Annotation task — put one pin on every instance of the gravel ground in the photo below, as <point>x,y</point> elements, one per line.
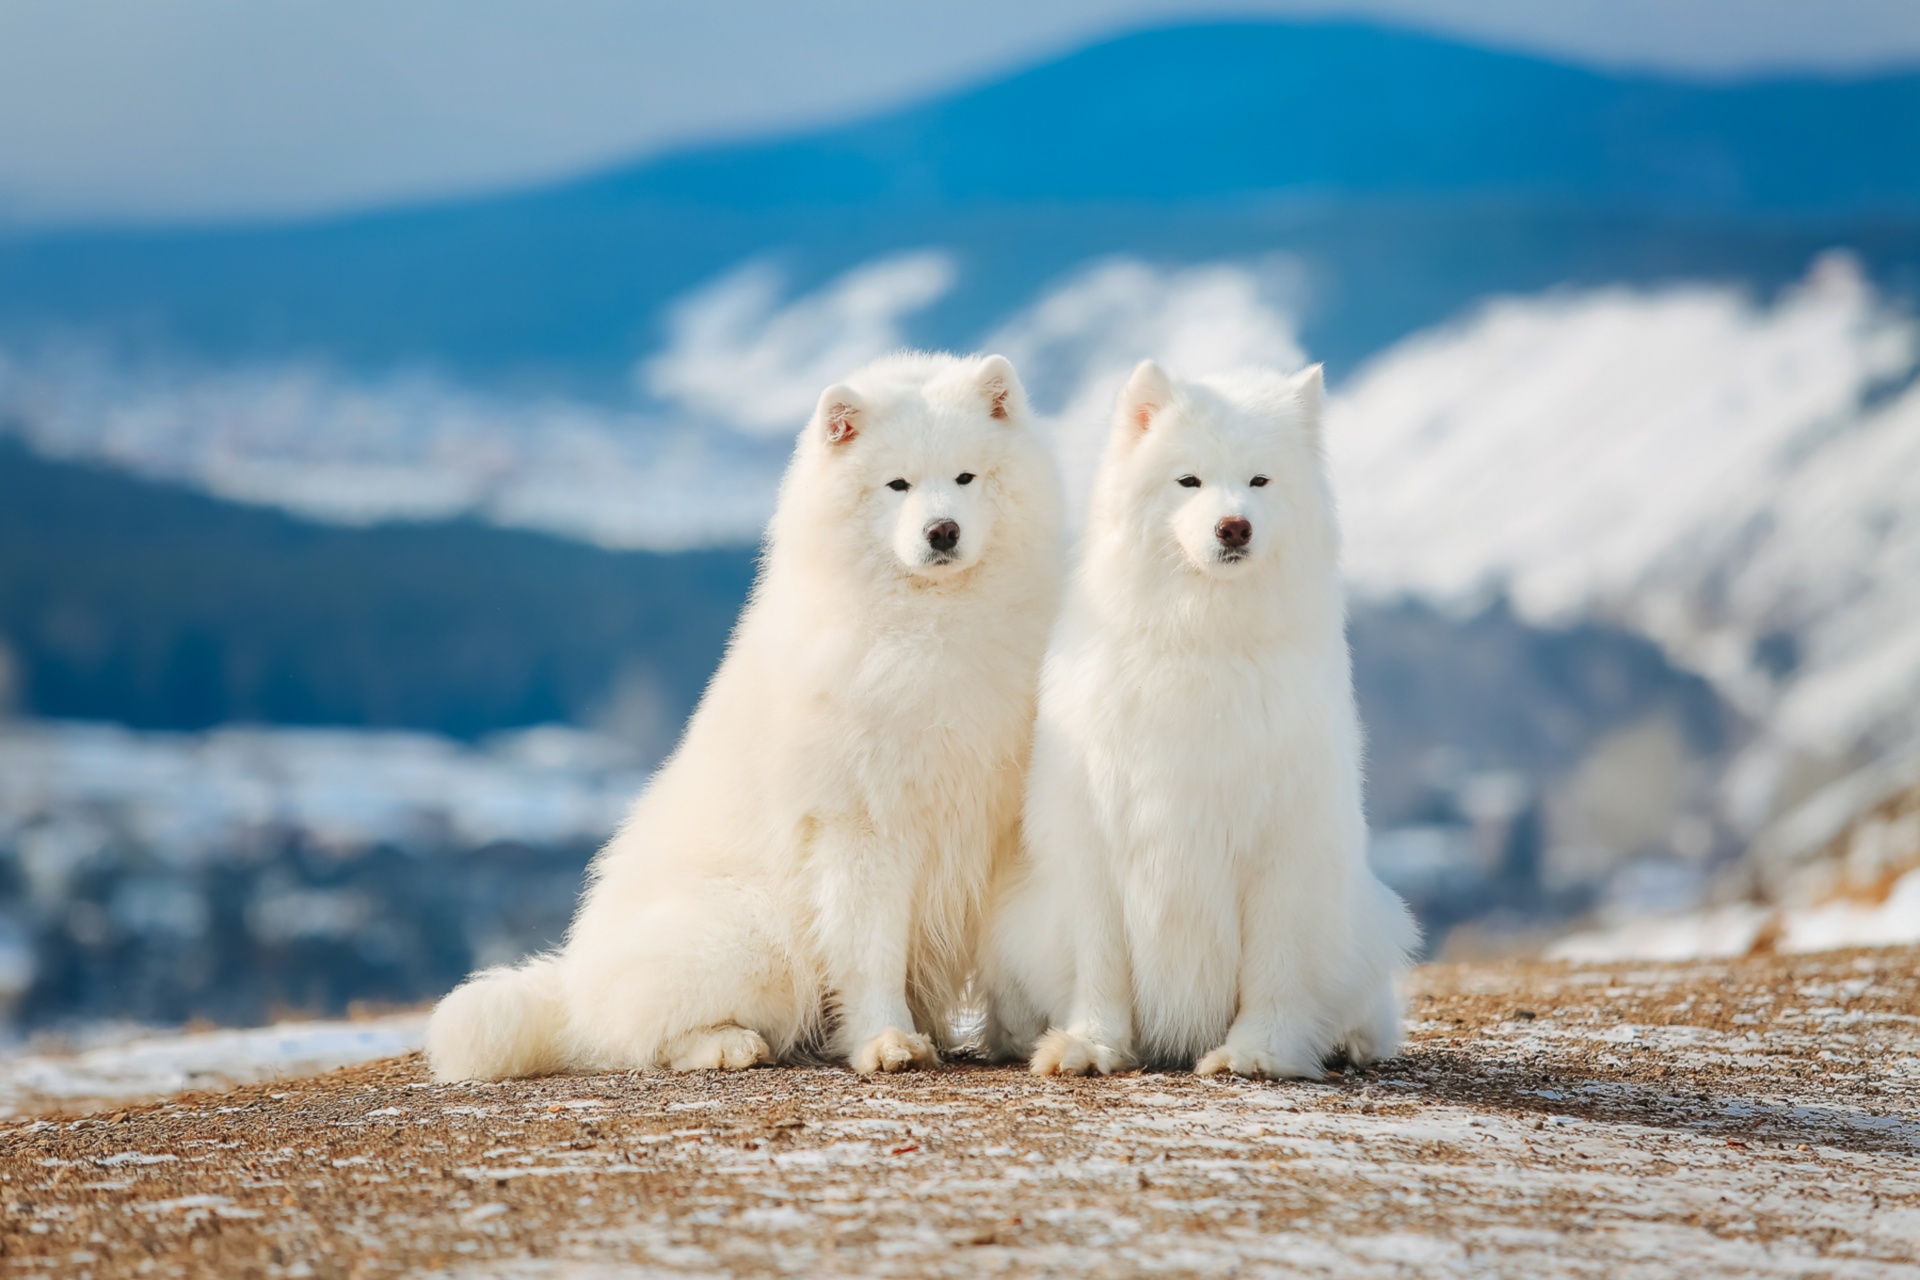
<point>1758,1117</point>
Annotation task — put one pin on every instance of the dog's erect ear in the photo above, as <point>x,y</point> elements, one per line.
<point>1148,391</point>
<point>840,415</point>
<point>1310,384</point>
<point>1000,388</point>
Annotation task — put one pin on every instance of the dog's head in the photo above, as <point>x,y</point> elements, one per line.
<point>1226,472</point>
<point>930,456</point>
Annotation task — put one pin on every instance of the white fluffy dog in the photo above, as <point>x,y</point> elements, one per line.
<point>810,871</point>
<point>1195,886</point>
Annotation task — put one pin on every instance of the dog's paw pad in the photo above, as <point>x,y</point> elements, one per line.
<point>895,1050</point>
<point>721,1049</point>
<point>1254,1064</point>
<point>1061,1053</point>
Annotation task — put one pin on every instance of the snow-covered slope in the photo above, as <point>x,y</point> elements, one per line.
<point>410,446</point>
<point>1739,481</point>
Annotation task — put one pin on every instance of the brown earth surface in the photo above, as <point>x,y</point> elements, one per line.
<point>1759,1117</point>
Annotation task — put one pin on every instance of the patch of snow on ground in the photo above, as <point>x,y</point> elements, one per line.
<point>159,1064</point>
<point>1721,933</point>
<point>1733,930</point>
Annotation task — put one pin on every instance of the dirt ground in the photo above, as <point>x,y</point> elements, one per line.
<point>1760,1117</point>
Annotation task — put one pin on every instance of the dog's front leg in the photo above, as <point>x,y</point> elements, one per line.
<point>864,919</point>
<point>1098,1035</point>
<point>1291,927</point>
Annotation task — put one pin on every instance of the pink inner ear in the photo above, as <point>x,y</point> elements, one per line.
<point>1143,415</point>
<point>999,404</point>
<point>840,424</point>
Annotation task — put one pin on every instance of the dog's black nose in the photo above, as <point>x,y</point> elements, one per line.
<point>943,535</point>
<point>1234,532</point>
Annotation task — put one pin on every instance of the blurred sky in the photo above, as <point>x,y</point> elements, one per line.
<point>168,109</point>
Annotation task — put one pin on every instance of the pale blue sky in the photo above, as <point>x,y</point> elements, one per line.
<point>167,109</point>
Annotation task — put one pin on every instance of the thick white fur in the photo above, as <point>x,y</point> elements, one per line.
<point>809,872</point>
<point>1194,887</point>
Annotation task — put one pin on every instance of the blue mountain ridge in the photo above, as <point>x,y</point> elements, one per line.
<point>1220,111</point>
<point>1411,174</point>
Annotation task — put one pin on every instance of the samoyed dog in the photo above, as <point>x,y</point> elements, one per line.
<point>808,873</point>
<point>1194,886</point>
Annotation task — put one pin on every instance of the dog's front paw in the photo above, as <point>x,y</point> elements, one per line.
<point>1255,1064</point>
<point>1378,1036</point>
<point>1001,1049</point>
<point>1062,1053</point>
<point>727,1048</point>
<point>895,1050</point>
<point>1362,1048</point>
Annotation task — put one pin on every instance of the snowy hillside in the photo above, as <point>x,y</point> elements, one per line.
<point>406,447</point>
<point>1740,482</point>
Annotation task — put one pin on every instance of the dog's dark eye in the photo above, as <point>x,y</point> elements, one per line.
<point>1258,482</point>
<point>898,486</point>
<point>965,477</point>
<point>1189,482</point>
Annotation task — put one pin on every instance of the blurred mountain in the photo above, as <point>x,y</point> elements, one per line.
<point>160,608</point>
<point>1221,112</point>
<point>1411,174</point>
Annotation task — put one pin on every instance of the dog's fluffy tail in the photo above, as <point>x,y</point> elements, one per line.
<point>500,1023</point>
